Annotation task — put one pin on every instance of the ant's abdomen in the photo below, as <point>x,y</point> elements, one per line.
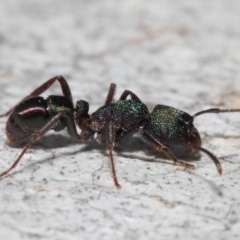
<point>27,117</point>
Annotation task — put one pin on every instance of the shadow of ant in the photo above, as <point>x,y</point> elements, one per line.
<point>136,144</point>
<point>49,141</point>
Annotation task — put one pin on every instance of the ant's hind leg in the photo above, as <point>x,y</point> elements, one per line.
<point>64,85</point>
<point>39,134</point>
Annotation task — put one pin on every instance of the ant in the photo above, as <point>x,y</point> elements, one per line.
<point>165,128</point>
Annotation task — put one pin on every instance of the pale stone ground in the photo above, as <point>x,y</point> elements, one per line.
<point>181,53</point>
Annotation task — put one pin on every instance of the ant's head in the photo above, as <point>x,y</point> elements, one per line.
<point>194,139</point>
<point>81,115</point>
<point>198,147</point>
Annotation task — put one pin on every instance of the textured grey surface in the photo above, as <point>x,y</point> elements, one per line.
<point>180,53</point>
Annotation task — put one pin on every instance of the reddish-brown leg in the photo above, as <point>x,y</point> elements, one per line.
<point>161,148</point>
<point>127,93</point>
<point>113,168</point>
<point>111,145</point>
<point>37,135</point>
<point>107,137</point>
<point>64,85</point>
<point>111,93</point>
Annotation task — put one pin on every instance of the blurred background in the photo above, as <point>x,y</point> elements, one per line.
<point>151,47</point>
<point>180,53</point>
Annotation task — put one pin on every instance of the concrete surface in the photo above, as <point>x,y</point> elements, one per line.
<point>181,53</point>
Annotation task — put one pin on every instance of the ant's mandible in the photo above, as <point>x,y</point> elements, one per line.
<point>165,128</point>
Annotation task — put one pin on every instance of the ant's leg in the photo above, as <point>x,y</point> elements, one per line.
<point>107,136</point>
<point>126,93</point>
<point>64,85</point>
<point>215,110</point>
<point>110,148</point>
<point>161,148</point>
<point>37,135</point>
<point>111,93</point>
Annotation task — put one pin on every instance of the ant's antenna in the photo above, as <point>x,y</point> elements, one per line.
<point>215,110</point>
<point>212,156</point>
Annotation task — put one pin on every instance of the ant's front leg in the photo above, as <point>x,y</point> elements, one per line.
<point>161,148</point>
<point>64,85</point>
